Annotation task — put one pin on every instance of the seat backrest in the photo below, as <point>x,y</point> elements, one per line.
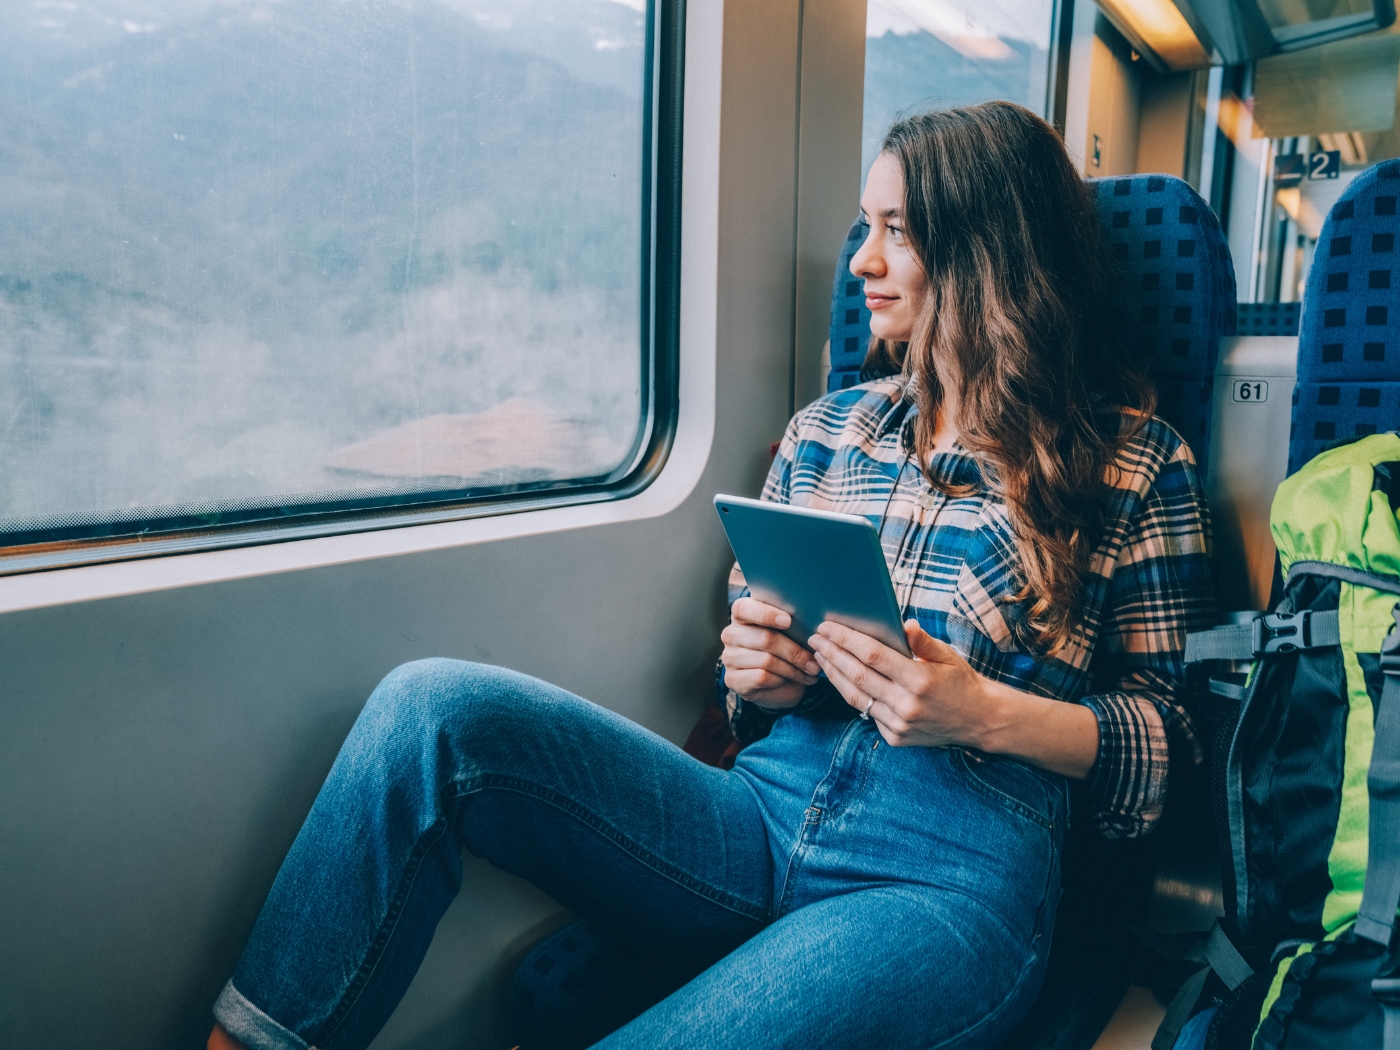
<point>1178,272</point>
<point>1177,267</point>
<point>850,320</point>
<point>1267,318</point>
<point>1349,335</point>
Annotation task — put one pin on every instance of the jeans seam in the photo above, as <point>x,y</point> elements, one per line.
<point>838,762</point>
<point>862,756</point>
<point>1052,872</point>
<point>799,844</point>
<point>997,795</point>
<point>809,823</point>
<point>561,802</point>
<point>995,1012</point>
<point>387,926</point>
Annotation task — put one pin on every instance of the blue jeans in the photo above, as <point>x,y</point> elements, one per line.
<point>847,893</point>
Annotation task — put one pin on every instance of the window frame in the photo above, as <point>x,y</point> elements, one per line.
<point>660,321</point>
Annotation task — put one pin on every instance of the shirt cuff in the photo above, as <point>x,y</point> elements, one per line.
<point>749,721</point>
<point>1128,784</point>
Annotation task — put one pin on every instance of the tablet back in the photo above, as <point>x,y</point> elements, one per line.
<point>814,565</point>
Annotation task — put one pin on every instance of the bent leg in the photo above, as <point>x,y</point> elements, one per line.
<point>610,819</point>
<point>899,967</point>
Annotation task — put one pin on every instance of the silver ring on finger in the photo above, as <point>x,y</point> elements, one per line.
<point>866,713</point>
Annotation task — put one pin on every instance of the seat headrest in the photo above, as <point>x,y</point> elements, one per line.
<point>850,320</point>
<point>1177,269</point>
<point>1349,335</point>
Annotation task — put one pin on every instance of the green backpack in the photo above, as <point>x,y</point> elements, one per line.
<point>1306,775</point>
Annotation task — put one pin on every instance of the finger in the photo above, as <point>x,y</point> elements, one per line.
<point>743,636</point>
<point>789,694</point>
<point>898,727</point>
<point>926,647</point>
<point>867,650</point>
<point>891,737</point>
<point>861,674</point>
<point>751,610</point>
<point>850,692</point>
<point>754,659</point>
<point>753,683</point>
<point>892,727</point>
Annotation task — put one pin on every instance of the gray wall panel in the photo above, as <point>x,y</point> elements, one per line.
<point>158,751</point>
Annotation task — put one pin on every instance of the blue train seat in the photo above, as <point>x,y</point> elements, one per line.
<point>1349,335</point>
<point>1177,262</point>
<point>850,319</point>
<point>1267,318</point>
<point>1178,270</point>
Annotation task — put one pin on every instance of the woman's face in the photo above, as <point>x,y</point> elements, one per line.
<point>894,279</point>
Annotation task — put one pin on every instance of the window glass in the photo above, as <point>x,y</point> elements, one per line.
<point>261,257</point>
<point>926,54</point>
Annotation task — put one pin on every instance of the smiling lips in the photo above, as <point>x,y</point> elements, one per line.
<point>879,302</point>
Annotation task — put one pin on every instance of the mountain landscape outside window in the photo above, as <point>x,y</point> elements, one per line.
<point>934,54</point>
<point>263,257</point>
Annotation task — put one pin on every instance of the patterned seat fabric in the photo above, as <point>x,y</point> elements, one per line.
<point>1178,269</point>
<point>1349,337</point>
<point>1267,318</point>
<point>850,320</point>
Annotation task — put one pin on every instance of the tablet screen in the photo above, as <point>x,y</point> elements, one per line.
<point>814,565</point>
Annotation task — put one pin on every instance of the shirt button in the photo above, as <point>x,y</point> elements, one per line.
<point>901,575</point>
<point>927,501</point>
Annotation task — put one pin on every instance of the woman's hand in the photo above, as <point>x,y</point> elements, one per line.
<point>760,662</point>
<point>934,700</point>
<point>938,700</point>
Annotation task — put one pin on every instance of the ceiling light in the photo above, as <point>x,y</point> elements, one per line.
<point>1157,28</point>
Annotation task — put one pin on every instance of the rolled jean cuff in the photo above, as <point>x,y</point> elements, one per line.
<point>250,1026</point>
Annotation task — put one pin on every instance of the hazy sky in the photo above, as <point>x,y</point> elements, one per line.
<point>971,26</point>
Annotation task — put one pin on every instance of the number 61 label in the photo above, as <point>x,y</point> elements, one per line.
<point>1250,390</point>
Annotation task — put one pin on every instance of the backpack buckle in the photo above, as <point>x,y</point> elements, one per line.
<point>1390,647</point>
<point>1288,632</point>
<point>1386,990</point>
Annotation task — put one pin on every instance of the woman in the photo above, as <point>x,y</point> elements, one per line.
<point>883,880</point>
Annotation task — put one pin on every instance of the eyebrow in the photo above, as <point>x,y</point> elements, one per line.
<point>888,213</point>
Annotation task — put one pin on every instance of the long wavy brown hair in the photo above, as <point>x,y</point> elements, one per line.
<point>1022,318</point>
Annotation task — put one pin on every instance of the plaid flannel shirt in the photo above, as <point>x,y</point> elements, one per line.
<point>955,565</point>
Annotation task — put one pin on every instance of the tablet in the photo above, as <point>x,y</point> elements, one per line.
<point>814,565</point>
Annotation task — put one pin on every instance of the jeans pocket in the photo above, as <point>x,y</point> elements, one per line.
<point>1013,785</point>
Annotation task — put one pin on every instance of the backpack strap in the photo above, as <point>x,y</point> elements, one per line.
<point>1376,919</point>
<point>1381,897</point>
<point>1265,635</point>
<point>1387,990</point>
<point>1284,632</point>
<point>1374,580</point>
<point>1229,965</point>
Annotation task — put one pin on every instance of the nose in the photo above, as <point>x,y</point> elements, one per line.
<point>867,261</point>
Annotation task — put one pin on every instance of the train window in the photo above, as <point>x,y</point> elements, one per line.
<point>1271,141</point>
<point>1288,162</point>
<point>319,264</point>
<point>926,54</point>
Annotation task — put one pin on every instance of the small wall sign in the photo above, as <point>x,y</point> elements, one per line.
<point>1288,169</point>
<point>1250,390</point>
<point>1325,164</point>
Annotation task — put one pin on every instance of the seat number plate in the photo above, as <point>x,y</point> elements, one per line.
<point>1250,390</point>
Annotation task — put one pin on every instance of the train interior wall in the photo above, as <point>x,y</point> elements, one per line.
<point>164,726</point>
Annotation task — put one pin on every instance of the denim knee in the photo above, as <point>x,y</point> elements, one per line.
<point>441,701</point>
